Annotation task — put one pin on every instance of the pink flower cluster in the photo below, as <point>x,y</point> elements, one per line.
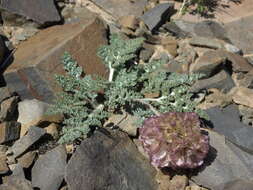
<point>174,139</point>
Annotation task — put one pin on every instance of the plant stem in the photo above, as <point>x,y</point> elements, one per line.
<point>152,99</point>
<point>111,72</point>
<point>149,105</point>
<point>182,7</point>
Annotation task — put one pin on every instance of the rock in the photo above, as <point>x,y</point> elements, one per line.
<point>17,172</point>
<point>247,114</point>
<point>222,165</point>
<point>21,145</point>
<point>32,112</point>
<point>122,7</point>
<point>208,63</point>
<point>172,28</point>
<point>221,81</point>
<point>187,27</point>
<point>207,42</point>
<point>109,161</point>
<point>186,54</point>
<point>215,98</point>
<point>147,52</point>
<point>3,164</point>
<point>129,21</point>
<point>30,74</point>
<point>239,63</point>
<point>17,184</point>
<point>26,160</point>
<point>9,131</point>
<point>156,16</point>
<point>52,130</point>
<point>163,180</point>
<point>8,109</point>
<point>244,80</point>
<point>243,96</point>
<point>238,33</point>
<point>231,48</point>
<point>227,122</point>
<point>210,29</point>
<point>4,94</point>
<point>42,11</point>
<point>178,67</point>
<point>48,170</point>
<point>170,44</point>
<point>3,49</point>
<point>124,121</point>
<point>178,182</point>
<point>195,187</point>
<point>239,184</point>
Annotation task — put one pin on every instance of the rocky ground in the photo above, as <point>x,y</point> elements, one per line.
<point>34,36</point>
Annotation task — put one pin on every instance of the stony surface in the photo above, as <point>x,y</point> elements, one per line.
<point>178,182</point>
<point>156,16</point>
<point>221,81</point>
<point>3,164</point>
<point>109,161</point>
<point>33,112</point>
<point>123,7</point>
<point>239,184</point>
<point>16,184</point>
<point>48,170</point>
<point>20,146</point>
<point>30,75</point>
<point>226,121</point>
<point>8,109</point>
<point>210,29</point>
<point>43,11</point>
<point>243,96</point>
<point>223,165</point>
<point>9,131</point>
<point>208,63</point>
<point>27,159</point>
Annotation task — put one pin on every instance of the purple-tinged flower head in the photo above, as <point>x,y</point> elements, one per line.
<point>174,139</point>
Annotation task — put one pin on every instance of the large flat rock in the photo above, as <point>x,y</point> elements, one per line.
<point>41,11</point>
<point>109,161</point>
<point>31,74</point>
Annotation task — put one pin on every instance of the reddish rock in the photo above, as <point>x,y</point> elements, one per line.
<point>36,61</point>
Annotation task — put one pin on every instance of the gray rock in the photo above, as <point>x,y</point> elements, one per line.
<point>156,16</point>
<point>109,160</point>
<point>42,11</point>
<point>222,165</point>
<point>221,81</point>
<point>4,93</point>
<point>227,122</point>
<point>122,7</point>
<point>17,184</point>
<point>146,54</point>
<point>172,28</point>
<point>30,110</point>
<point>21,145</point>
<point>239,184</point>
<point>9,131</point>
<point>210,29</point>
<point>247,115</point>
<point>187,27</point>
<point>48,170</point>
